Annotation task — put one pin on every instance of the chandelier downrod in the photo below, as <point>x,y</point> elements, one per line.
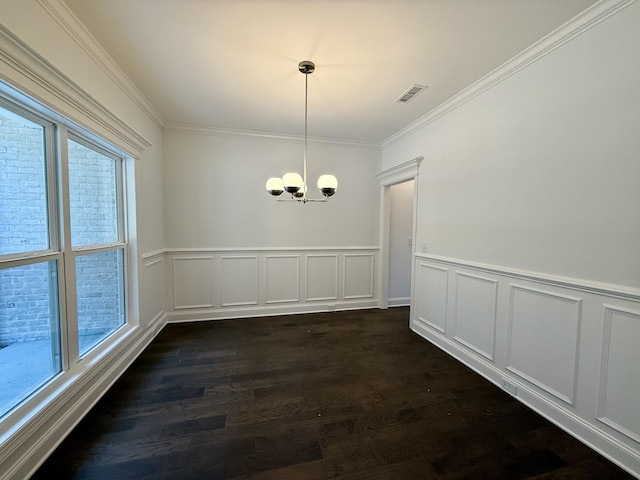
<point>304,161</point>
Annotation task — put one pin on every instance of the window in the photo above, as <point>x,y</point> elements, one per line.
<point>63,249</point>
<point>96,238</point>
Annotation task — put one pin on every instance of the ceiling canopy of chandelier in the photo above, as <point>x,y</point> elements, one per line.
<point>293,183</point>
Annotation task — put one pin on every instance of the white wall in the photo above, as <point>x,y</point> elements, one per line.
<point>528,199</point>
<point>45,54</point>
<point>541,172</point>
<point>215,193</point>
<point>400,242</point>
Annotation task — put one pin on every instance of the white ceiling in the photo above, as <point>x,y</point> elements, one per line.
<point>233,63</point>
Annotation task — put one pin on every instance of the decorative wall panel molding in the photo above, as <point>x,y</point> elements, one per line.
<point>192,282</point>
<point>476,302</point>
<point>358,275</point>
<point>322,277</point>
<point>543,339</point>
<point>619,394</point>
<point>554,350</point>
<point>222,283</point>
<point>432,286</point>
<point>283,278</point>
<point>613,291</point>
<point>238,280</point>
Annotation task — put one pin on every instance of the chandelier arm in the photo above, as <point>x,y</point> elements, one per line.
<point>302,200</point>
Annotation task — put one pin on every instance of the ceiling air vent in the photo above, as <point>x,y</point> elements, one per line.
<point>411,92</point>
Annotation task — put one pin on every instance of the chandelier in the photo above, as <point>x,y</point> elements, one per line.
<point>293,183</point>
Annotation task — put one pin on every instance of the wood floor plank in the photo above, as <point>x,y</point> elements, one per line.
<point>351,395</point>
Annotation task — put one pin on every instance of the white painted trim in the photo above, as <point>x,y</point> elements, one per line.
<point>269,310</point>
<point>61,13</point>
<point>430,326</point>
<point>257,279</point>
<point>581,23</point>
<point>610,290</point>
<point>268,136</point>
<point>426,321</point>
<point>80,107</point>
<point>282,300</point>
<point>154,253</point>
<point>223,250</point>
<point>400,302</point>
<point>318,299</point>
<point>488,355</point>
<point>175,260</point>
<point>604,363</point>
<point>543,386</point>
<point>154,262</point>
<point>400,173</point>
<point>371,276</point>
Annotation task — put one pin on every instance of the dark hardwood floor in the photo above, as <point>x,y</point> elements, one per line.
<point>350,395</point>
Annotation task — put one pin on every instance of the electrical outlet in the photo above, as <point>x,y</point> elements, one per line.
<point>424,247</point>
<point>509,387</point>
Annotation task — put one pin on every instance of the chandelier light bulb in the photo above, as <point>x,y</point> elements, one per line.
<point>300,193</point>
<point>292,182</point>
<point>327,184</point>
<point>275,186</point>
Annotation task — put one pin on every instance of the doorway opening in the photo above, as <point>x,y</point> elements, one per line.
<point>400,243</point>
<point>406,173</point>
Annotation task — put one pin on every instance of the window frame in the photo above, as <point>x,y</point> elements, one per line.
<point>51,176</point>
<point>57,131</point>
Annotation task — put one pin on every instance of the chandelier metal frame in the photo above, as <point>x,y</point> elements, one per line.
<point>292,183</point>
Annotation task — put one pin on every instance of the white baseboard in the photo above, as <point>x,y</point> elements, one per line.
<point>267,310</point>
<point>399,302</point>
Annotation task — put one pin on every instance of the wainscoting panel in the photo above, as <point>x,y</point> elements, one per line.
<point>475,313</point>
<point>543,339</point>
<point>243,282</point>
<point>619,399</point>
<point>322,277</point>
<point>193,282</point>
<point>565,347</point>
<point>239,280</point>
<point>431,296</point>
<point>283,278</point>
<point>152,287</point>
<point>358,275</point>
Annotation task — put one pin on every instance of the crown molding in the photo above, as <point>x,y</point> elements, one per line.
<point>33,74</point>
<point>249,134</point>
<point>60,12</point>
<point>576,26</point>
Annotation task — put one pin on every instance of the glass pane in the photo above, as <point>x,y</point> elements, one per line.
<point>23,185</point>
<point>29,331</point>
<point>100,284</point>
<point>93,196</point>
